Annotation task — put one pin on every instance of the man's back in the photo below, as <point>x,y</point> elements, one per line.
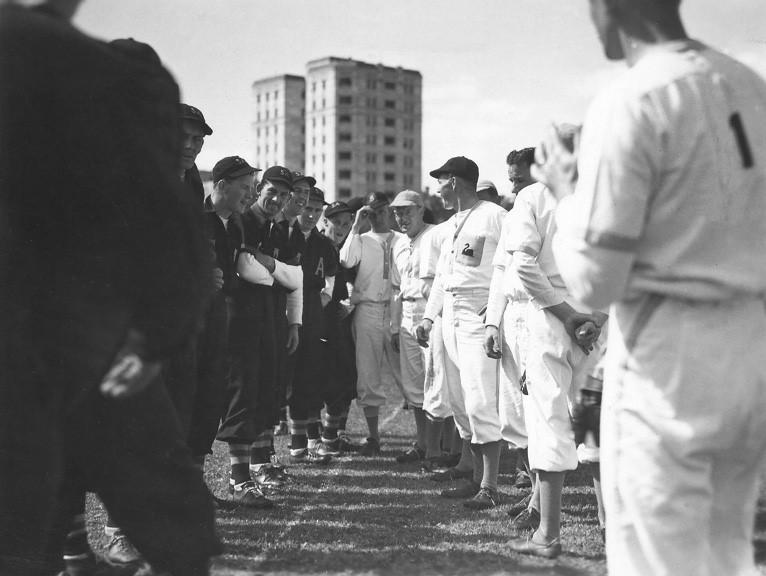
<point>682,140</point>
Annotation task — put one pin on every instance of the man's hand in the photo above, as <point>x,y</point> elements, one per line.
<point>572,320</point>
<point>293,338</point>
<point>344,309</point>
<point>556,159</point>
<point>361,219</point>
<point>492,342</point>
<point>217,279</point>
<point>266,261</point>
<point>395,341</point>
<point>587,334</point>
<point>423,331</point>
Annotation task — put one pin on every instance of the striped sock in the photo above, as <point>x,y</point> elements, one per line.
<point>312,428</point>
<point>298,438</point>
<point>77,553</point>
<point>260,450</point>
<point>239,458</point>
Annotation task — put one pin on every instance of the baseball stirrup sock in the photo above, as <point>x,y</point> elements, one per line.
<point>298,437</point>
<point>260,450</point>
<point>239,458</point>
<point>76,548</point>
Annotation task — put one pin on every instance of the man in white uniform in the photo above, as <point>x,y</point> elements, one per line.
<point>556,361</point>
<point>461,289</point>
<point>373,253</point>
<point>668,224</point>
<point>410,291</point>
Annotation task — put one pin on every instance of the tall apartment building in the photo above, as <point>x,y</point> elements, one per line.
<point>279,121</point>
<point>363,127</point>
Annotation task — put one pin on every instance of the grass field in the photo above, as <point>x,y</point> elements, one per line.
<point>370,516</point>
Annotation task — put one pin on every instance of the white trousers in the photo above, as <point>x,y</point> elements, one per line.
<point>412,356</point>
<point>683,436</point>
<point>556,369</point>
<point>474,376</point>
<point>436,401</point>
<point>375,356</point>
<point>515,340</point>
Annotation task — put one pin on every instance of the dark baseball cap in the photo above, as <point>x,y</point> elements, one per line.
<point>459,166</point>
<point>298,176</point>
<point>195,115</point>
<point>338,207</point>
<point>278,174</point>
<point>375,200</point>
<point>317,194</point>
<point>231,167</point>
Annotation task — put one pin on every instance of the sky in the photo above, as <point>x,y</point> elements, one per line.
<point>495,72</point>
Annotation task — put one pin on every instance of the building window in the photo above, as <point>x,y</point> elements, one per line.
<point>344,174</point>
<point>344,192</point>
<point>389,141</point>
<point>313,86</point>
<point>267,96</point>
<point>408,162</point>
<point>408,179</point>
<point>390,85</point>
<point>371,84</point>
<point>389,176</point>
<point>323,139</point>
<point>267,130</point>
<point>372,139</point>
<point>257,132</point>
<point>389,159</point>
<point>324,103</point>
<point>324,120</point>
<point>344,81</point>
<point>344,155</point>
<point>344,100</point>
<point>267,114</point>
<point>313,122</point>
<point>258,117</point>
<point>371,177</point>
<point>324,84</point>
<point>276,94</point>
<point>371,158</point>
<point>276,130</point>
<point>391,104</point>
<point>344,137</point>
<point>344,118</point>
<point>390,122</point>
<point>372,102</point>
<point>257,98</point>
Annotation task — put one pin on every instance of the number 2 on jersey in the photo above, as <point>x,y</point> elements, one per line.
<point>735,121</point>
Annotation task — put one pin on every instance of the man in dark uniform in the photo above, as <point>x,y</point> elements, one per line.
<point>338,383</point>
<point>288,217</point>
<point>320,263</point>
<point>79,295</point>
<point>232,183</point>
<point>252,391</point>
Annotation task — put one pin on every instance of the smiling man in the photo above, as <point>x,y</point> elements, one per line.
<point>253,393</point>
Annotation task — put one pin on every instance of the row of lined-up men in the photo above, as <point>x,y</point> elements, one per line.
<point>657,209</point>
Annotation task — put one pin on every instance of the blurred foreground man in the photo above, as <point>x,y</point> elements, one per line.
<point>668,223</point>
<point>98,129</point>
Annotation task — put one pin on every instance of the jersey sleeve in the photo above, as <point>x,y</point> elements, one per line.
<point>600,225</point>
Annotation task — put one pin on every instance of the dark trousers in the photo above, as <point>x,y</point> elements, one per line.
<point>251,393</point>
<point>132,455</point>
<point>179,376</point>
<point>338,379</point>
<point>305,398</point>
<point>212,361</point>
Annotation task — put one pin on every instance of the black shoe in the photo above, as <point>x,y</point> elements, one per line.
<point>250,495</point>
<point>484,499</point>
<point>329,447</point>
<point>306,456</point>
<point>370,448</point>
<point>519,506</point>
<point>269,476</point>
<point>450,474</point>
<point>527,519</point>
<point>121,552</point>
<point>413,454</point>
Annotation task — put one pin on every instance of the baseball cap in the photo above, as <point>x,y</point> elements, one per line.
<point>195,115</point>
<point>375,200</point>
<point>458,166</point>
<point>486,185</point>
<point>278,174</point>
<point>338,207</point>
<point>298,176</point>
<point>407,198</point>
<point>355,203</point>
<point>231,167</point>
<point>317,194</point>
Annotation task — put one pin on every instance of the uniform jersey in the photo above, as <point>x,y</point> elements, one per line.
<point>408,254</point>
<point>319,262</point>
<point>466,255</point>
<point>432,248</point>
<point>373,253</point>
<point>672,180</point>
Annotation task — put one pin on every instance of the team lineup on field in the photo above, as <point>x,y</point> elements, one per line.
<point>248,377</point>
